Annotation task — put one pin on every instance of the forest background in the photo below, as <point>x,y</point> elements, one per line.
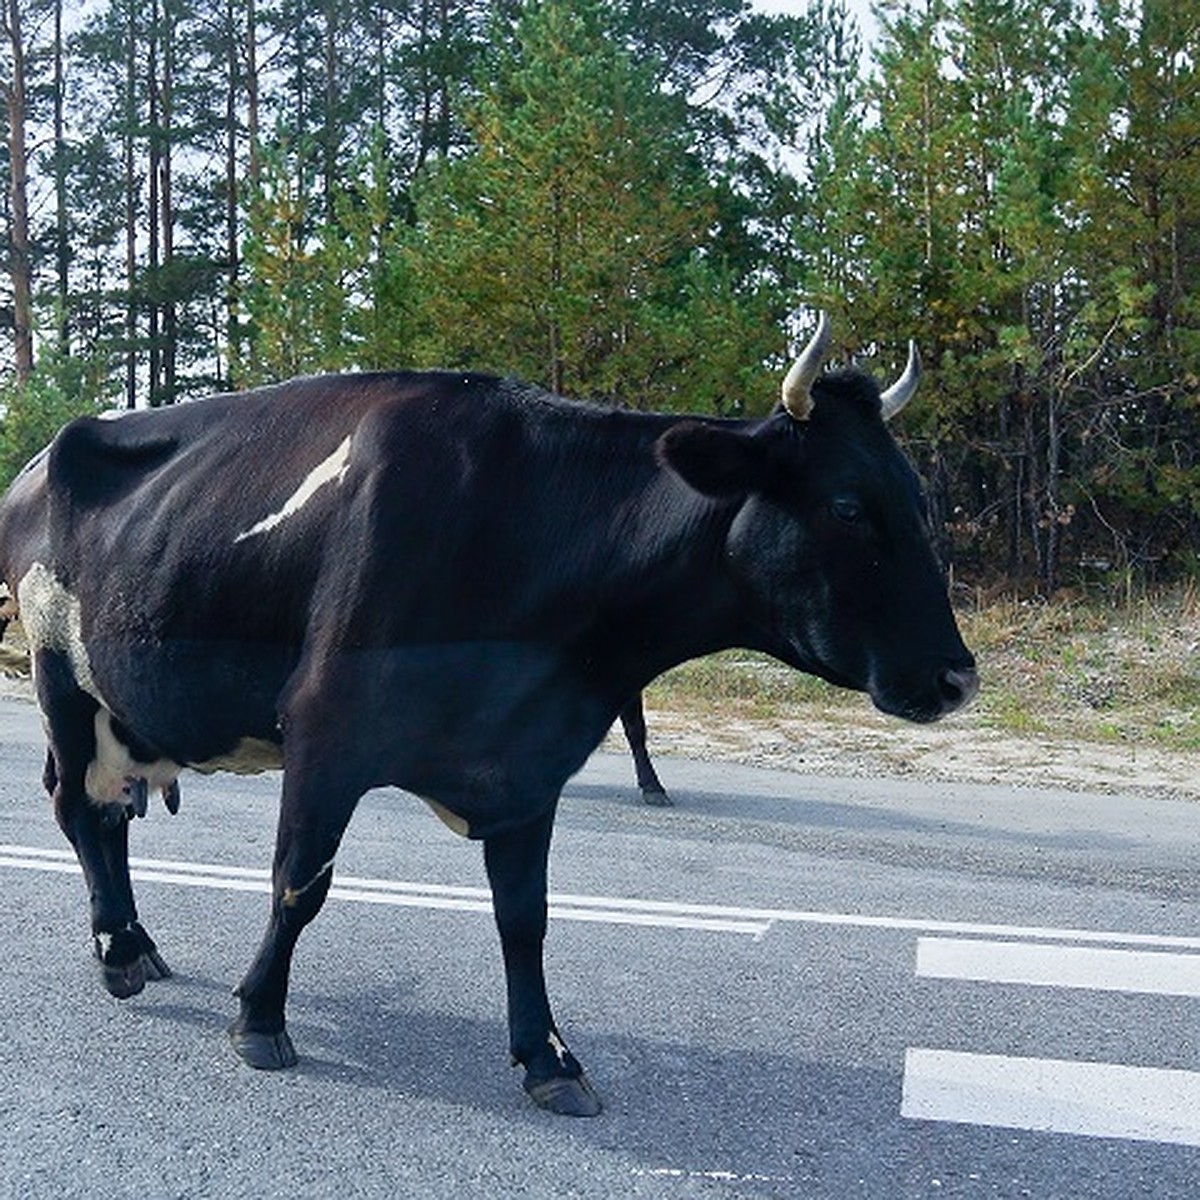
<point>641,202</point>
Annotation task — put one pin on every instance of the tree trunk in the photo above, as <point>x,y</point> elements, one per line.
<point>154,137</point>
<point>62,228</point>
<point>1051,550</point>
<point>131,210</point>
<point>252,121</point>
<point>20,263</point>
<point>167,287</point>
<point>331,134</point>
<point>232,243</point>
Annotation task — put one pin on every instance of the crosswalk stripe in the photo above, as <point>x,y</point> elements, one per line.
<point>754,922</point>
<point>1089,1099</point>
<point>1098,968</point>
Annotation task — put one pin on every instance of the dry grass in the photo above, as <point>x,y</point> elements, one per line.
<point>1076,670</point>
<point>1094,672</point>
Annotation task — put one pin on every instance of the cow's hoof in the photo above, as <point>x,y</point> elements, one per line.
<point>153,964</point>
<point>128,958</point>
<point>124,980</point>
<point>657,797</point>
<point>566,1097</point>
<point>264,1051</point>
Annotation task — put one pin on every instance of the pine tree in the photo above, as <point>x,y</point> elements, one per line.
<point>570,247</point>
<point>1135,346</point>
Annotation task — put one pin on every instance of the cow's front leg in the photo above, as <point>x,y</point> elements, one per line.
<point>516,866</point>
<point>312,818</point>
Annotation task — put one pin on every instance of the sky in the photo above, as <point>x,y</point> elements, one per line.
<point>860,9</point>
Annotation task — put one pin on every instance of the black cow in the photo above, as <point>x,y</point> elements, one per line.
<point>448,583</point>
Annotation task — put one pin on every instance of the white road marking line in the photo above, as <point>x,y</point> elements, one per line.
<point>1101,969</point>
<point>1083,1098</point>
<point>711,1176</point>
<point>753,922</point>
<point>1092,1099</point>
<point>399,893</point>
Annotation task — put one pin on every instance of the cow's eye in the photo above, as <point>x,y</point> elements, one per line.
<point>849,512</point>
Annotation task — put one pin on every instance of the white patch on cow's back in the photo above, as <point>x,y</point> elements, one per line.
<point>113,767</point>
<point>52,619</point>
<point>332,470</point>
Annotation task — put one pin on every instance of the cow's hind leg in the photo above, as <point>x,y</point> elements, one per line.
<point>516,866</point>
<point>99,833</point>
<point>315,809</point>
<point>633,722</point>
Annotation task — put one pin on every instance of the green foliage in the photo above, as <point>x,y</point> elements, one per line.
<point>324,292</point>
<point>574,246</point>
<point>58,391</point>
<point>1017,187</point>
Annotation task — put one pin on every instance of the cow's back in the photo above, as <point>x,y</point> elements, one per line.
<point>222,509</point>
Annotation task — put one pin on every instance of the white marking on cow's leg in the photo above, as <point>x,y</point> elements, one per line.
<point>291,896</point>
<point>332,470</point>
<point>558,1046</point>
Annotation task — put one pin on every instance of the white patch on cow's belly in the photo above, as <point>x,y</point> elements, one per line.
<point>332,470</point>
<point>52,619</point>
<point>250,756</point>
<point>451,820</point>
<point>113,767</point>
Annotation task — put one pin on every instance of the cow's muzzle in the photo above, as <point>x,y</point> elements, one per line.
<point>957,687</point>
<point>929,697</point>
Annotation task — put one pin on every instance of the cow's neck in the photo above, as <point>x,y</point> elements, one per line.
<point>674,600</point>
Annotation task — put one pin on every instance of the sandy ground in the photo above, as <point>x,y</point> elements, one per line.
<point>870,744</point>
<point>958,748</point>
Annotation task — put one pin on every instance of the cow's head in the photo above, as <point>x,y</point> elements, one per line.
<point>829,544</point>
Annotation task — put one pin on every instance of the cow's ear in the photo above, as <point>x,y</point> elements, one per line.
<point>718,462</point>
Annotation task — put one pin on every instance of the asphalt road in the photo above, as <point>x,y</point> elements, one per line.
<point>784,987</point>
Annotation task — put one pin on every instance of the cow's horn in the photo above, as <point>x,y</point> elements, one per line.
<point>797,383</point>
<point>902,391</point>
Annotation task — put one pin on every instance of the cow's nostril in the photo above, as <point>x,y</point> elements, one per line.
<point>958,688</point>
